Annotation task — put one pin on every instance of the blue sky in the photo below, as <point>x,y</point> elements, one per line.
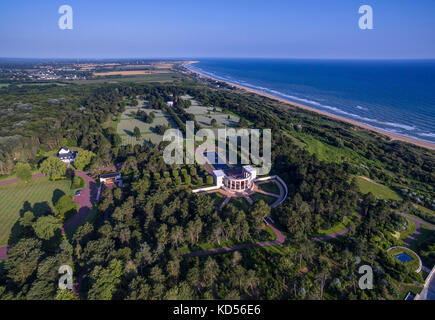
<point>205,28</point>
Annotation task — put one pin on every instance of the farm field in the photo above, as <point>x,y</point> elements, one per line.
<point>160,77</point>
<point>38,194</point>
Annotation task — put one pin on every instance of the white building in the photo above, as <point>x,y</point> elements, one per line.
<point>66,156</point>
<point>170,103</point>
<point>235,179</point>
<point>110,179</point>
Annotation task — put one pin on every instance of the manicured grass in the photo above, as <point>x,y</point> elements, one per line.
<point>259,196</point>
<point>14,195</point>
<point>381,191</point>
<point>270,187</point>
<point>426,210</point>
<point>127,122</point>
<point>336,228</point>
<point>413,264</point>
<point>409,231</point>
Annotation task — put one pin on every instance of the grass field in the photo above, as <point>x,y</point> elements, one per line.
<point>127,123</point>
<point>381,191</point>
<point>336,228</point>
<point>259,196</point>
<point>413,264</point>
<point>39,191</point>
<point>204,115</point>
<point>270,187</point>
<point>163,77</point>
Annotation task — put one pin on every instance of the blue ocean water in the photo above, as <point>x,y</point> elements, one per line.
<point>396,96</point>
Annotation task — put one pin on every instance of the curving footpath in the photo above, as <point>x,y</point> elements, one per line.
<point>418,224</point>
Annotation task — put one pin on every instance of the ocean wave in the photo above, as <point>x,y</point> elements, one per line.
<point>362,108</point>
<point>429,135</point>
<point>311,102</point>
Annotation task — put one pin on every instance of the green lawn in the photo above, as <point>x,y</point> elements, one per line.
<point>381,191</point>
<point>39,191</point>
<point>270,187</point>
<point>409,231</point>
<point>413,264</point>
<point>336,228</point>
<point>259,196</point>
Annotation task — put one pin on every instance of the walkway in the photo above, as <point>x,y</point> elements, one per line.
<point>84,201</point>
<point>418,223</point>
<point>38,175</point>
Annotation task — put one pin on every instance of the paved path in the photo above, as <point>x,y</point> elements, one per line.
<point>84,201</point>
<point>418,223</point>
<point>16,179</point>
<point>280,238</point>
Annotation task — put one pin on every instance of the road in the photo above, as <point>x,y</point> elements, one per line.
<point>84,201</point>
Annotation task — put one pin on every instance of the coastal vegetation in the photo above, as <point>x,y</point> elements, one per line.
<point>133,246</point>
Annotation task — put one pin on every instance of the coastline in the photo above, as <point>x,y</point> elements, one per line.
<point>392,136</point>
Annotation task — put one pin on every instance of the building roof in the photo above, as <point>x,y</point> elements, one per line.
<point>110,175</point>
<point>69,155</point>
<point>218,173</point>
<point>250,169</point>
<point>64,150</point>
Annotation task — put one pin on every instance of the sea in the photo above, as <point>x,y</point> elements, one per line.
<point>397,96</point>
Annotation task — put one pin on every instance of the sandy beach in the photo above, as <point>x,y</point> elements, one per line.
<point>393,136</point>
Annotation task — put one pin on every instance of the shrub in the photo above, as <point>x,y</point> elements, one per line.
<point>209,180</point>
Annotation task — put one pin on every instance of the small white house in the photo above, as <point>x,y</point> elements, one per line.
<point>66,156</point>
<point>170,104</point>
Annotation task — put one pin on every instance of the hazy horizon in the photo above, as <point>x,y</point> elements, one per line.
<point>228,29</point>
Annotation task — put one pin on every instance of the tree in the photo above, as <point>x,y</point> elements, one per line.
<point>105,280</point>
<point>53,168</point>
<point>65,208</point>
<point>65,294</point>
<point>243,123</point>
<point>260,210</point>
<point>214,123</point>
<point>136,133</point>
<point>23,171</point>
<point>83,159</point>
<point>23,259</point>
<point>27,219</point>
<point>177,235</point>
<point>46,227</point>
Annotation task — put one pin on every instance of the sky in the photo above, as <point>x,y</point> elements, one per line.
<point>326,29</point>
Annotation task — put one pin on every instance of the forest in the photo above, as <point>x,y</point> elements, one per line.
<point>134,247</point>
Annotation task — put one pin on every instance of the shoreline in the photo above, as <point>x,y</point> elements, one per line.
<point>392,136</point>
